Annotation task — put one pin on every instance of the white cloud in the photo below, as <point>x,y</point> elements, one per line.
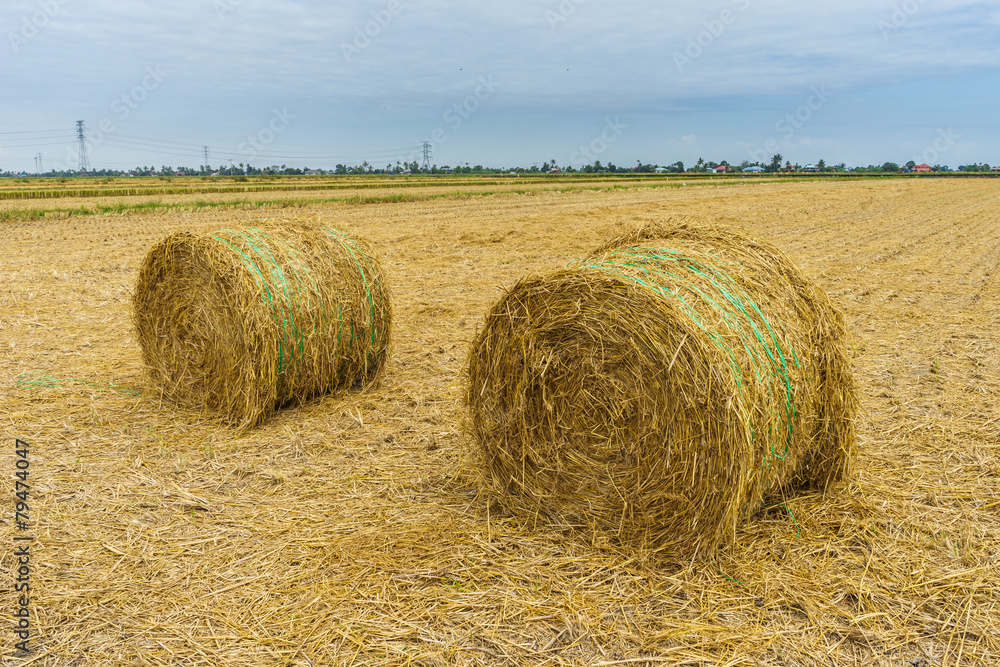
<point>810,142</point>
<point>686,141</point>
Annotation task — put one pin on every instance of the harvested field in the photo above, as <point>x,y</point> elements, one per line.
<point>348,530</point>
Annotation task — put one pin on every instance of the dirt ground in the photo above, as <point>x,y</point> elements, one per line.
<point>348,530</point>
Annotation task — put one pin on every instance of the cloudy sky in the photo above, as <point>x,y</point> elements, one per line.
<point>310,83</point>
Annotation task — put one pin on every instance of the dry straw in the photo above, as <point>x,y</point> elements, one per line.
<point>662,388</point>
<point>242,321</point>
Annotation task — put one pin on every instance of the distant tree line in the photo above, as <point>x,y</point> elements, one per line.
<point>777,164</point>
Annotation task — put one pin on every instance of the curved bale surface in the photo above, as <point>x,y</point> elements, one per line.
<point>661,388</point>
<point>240,322</point>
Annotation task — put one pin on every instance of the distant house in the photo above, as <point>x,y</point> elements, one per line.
<point>721,169</point>
<point>997,168</point>
<point>810,168</point>
<point>313,172</point>
<point>923,168</point>
<point>753,170</point>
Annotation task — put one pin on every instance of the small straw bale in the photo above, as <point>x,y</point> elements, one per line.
<point>240,322</point>
<point>661,389</point>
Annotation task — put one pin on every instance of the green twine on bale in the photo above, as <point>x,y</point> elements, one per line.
<point>649,261</point>
<point>258,242</point>
<point>352,248</point>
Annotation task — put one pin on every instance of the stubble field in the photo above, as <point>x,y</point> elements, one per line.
<point>348,530</point>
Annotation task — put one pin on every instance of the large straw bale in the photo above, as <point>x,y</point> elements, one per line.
<point>240,322</point>
<point>661,388</point>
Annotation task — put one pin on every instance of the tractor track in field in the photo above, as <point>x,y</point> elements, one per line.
<point>880,231</point>
<point>913,243</point>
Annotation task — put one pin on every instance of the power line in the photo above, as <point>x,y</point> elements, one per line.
<point>170,147</point>
<point>426,166</point>
<point>260,156</point>
<point>35,144</point>
<point>61,133</point>
<point>162,142</point>
<point>112,143</point>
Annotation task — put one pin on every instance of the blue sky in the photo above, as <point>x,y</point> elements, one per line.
<point>308,83</point>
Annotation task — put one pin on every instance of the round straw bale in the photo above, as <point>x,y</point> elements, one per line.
<point>661,388</point>
<point>240,322</point>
